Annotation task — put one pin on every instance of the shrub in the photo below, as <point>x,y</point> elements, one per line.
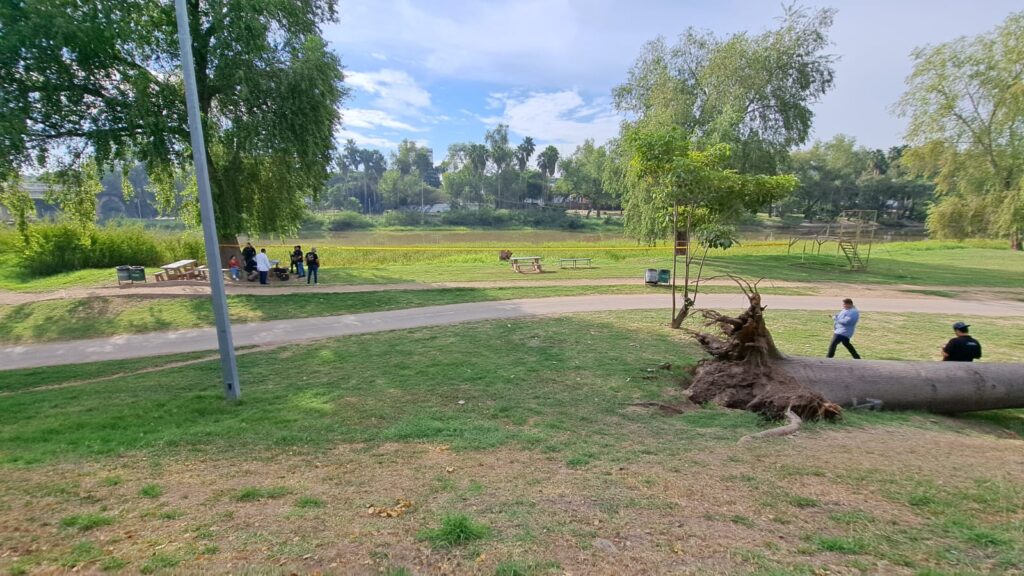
<point>396,218</point>
<point>113,246</point>
<point>532,218</point>
<point>348,221</point>
<point>185,246</point>
<point>55,248</point>
<point>312,223</point>
<point>63,247</point>
<point>484,217</point>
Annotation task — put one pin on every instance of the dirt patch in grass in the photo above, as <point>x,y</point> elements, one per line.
<point>732,509</point>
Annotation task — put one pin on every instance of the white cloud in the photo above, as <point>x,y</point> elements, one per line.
<point>562,118</point>
<point>378,56</point>
<point>513,42</point>
<point>364,139</point>
<point>372,119</point>
<point>396,90</point>
<point>590,44</point>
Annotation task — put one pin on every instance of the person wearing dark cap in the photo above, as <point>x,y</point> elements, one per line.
<point>962,347</point>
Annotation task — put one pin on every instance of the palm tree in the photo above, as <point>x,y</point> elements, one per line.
<point>350,159</point>
<point>478,157</point>
<point>547,161</point>
<point>523,153</point>
<point>501,153</point>
<point>375,164</point>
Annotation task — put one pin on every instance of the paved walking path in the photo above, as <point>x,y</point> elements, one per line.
<point>197,289</point>
<point>286,331</point>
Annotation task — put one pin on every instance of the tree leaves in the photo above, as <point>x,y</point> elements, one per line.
<point>665,171</point>
<point>752,92</point>
<point>101,80</point>
<point>965,102</point>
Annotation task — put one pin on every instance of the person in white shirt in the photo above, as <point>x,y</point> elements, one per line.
<point>263,265</point>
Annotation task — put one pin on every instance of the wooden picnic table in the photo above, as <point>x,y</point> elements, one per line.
<point>180,270</point>
<point>532,262</point>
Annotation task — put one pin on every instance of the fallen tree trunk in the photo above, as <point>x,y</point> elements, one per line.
<point>942,387</point>
<point>745,370</point>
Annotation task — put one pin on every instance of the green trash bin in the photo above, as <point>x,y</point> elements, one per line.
<point>138,274</point>
<point>665,276</point>
<point>124,273</point>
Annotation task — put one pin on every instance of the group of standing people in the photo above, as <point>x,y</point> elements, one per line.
<point>305,265</point>
<point>961,348</point>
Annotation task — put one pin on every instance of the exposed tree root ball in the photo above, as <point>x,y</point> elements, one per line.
<point>743,370</point>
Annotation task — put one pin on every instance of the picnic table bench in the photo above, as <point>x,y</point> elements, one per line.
<point>180,270</point>
<point>532,263</point>
<point>564,262</point>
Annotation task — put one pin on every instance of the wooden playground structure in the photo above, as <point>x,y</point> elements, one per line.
<point>853,231</point>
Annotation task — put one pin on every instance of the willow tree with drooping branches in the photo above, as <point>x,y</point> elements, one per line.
<point>965,105</point>
<point>99,84</point>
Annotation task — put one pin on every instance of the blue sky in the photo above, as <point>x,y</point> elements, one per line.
<point>444,71</point>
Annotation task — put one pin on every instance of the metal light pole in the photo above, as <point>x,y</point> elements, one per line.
<point>229,368</point>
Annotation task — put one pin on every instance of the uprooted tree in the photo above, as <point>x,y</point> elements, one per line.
<point>746,370</point>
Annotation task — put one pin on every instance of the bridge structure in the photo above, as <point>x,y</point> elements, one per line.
<point>108,204</point>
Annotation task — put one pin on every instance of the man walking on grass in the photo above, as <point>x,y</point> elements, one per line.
<point>845,323</point>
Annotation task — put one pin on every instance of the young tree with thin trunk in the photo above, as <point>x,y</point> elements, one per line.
<point>676,188</point>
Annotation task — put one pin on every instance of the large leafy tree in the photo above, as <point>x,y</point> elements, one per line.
<point>585,173</point>
<point>965,102</point>
<point>751,91</point>
<point>838,175</point>
<point>828,173</point>
<point>101,82</point>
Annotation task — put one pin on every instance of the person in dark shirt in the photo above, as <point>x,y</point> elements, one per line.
<point>297,262</point>
<point>249,256</point>
<point>312,266</point>
<point>962,348</point>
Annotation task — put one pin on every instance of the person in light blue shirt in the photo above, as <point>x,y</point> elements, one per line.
<point>846,323</point>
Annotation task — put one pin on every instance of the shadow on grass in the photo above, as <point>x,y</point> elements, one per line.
<point>561,384</point>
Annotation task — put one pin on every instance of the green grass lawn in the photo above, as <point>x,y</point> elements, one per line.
<point>979,263</point>
<point>607,351</point>
<point>69,319</point>
<point>930,263</point>
<point>516,441</point>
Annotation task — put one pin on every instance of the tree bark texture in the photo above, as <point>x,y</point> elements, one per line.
<point>942,387</point>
